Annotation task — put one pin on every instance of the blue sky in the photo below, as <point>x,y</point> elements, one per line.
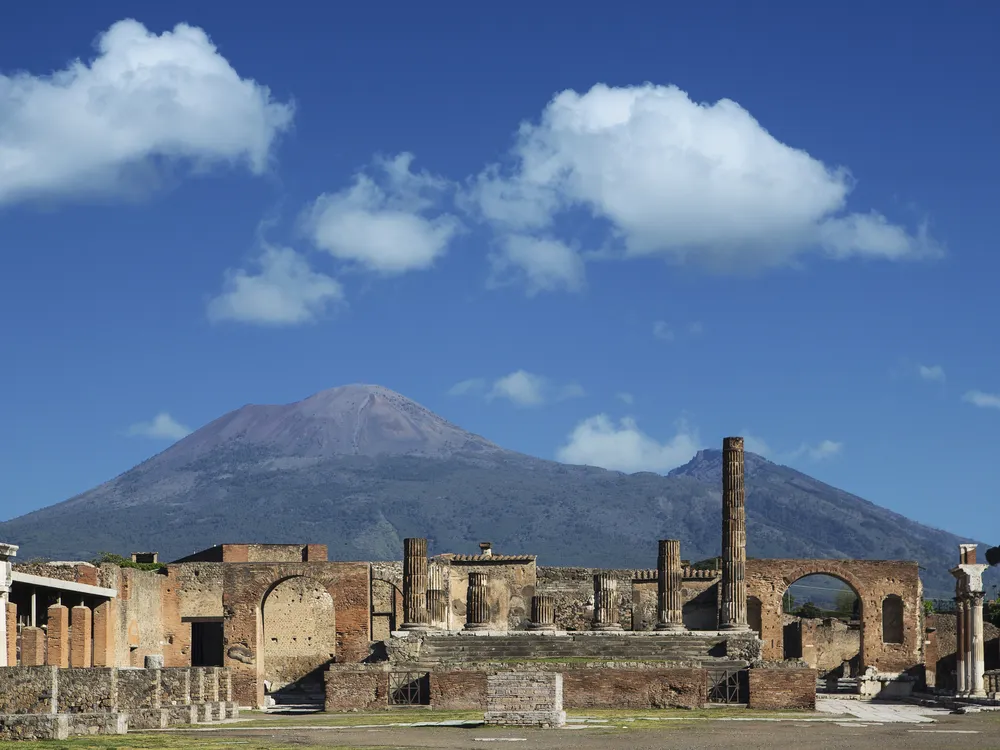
<point>599,238</point>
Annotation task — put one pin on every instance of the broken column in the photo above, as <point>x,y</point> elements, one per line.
<point>733,614</point>
<point>7,551</point>
<point>57,637</point>
<point>969,594</point>
<point>543,613</point>
<point>669,577</point>
<point>415,584</point>
<point>437,597</point>
<point>32,647</point>
<point>606,602</point>
<point>81,630</point>
<point>477,605</point>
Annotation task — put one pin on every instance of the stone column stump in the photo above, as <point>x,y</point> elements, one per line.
<point>543,613</point>
<point>733,615</point>
<point>670,576</point>
<point>605,603</point>
<point>415,584</point>
<point>477,607</point>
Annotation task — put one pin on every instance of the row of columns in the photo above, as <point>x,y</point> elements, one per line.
<point>425,598</point>
<point>970,662</point>
<point>73,637</point>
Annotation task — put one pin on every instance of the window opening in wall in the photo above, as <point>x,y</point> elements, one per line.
<point>892,619</point>
<point>409,688</point>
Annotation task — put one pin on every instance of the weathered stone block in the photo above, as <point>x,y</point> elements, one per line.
<point>182,714</point>
<point>34,727</point>
<point>525,699</point>
<point>58,637</point>
<point>28,690</point>
<point>148,718</point>
<point>87,691</point>
<point>99,723</point>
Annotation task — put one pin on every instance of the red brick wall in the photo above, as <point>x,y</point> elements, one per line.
<point>772,689</point>
<point>872,580</point>
<point>11,645</point>
<point>245,587</point>
<point>316,553</point>
<point>458,690</point>
<point>362,691</point>
<point>634,688</point>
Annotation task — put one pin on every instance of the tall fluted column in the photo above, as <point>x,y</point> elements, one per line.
<point>606,602</point>
<point>734,538</point>
<point>437,597</point>
<point>669,577</point>
<point>414,584</point>
<point>543,613</point>
<point>977,662</point>
<point>960,668</point>
<point>477,605</point>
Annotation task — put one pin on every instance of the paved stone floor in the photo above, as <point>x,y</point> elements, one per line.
<point>869,726</point>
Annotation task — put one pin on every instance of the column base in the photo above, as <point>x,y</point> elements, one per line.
<point>541,626</point>
<point>416,626</point>
<point>735,627</point>
<point>671,627</point>
<point>476,626</point>
<point>613,626</point>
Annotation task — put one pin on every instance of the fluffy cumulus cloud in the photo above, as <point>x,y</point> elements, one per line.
<point>931,373</point>
<point>755,444</point>
<point>982,400</point>
<point>520,387</point>
<point>822,451</point>
<point>686,180</point>
<point>285,291</point>
<point>389,225</point>
<point>541,264</point>
<point>160,427</point>
<point>94,126</point>
<point>622,446</point>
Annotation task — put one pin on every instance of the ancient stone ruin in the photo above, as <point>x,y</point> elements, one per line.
<point>274,626</point>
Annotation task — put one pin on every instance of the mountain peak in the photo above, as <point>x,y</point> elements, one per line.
<point>350,420</point>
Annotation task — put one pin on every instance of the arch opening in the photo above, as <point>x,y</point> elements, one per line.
<point>299,634</point>
<point>822,624</point>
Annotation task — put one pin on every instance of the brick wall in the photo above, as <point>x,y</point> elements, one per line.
<point>362,690</point>
<point>772,689</point>
<point>583,687</point>
<point>11,644</point>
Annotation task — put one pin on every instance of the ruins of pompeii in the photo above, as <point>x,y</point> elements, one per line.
<point>94,649</point>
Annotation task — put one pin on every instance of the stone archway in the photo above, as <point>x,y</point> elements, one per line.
<point>829,638</point>
<point>298,634</point>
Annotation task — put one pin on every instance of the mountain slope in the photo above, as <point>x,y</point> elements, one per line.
<point>361,467</point>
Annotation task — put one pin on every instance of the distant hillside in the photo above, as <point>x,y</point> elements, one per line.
<point>361,467</point>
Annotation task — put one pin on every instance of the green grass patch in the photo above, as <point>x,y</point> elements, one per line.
<point>396,716</point>
<point>165,741</point>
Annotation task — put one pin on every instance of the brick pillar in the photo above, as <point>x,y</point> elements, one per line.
<point>543,613</point>
<point>477,605</point>
<point>58,637</point>
<point>733,615</point>
<point>605,603</point>
<point>11,620</point>
<point>32,647</point>
<point>960,673</point>
<point>414,584</point>
<point>105,634</point>
<point>81,632</point>
<point>437,597</point>
<point>669,577</point>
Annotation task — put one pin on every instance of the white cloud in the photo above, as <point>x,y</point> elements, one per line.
<point>520,387</point>
<point>982,400</point>
<point>598,441</point>
<point>389,228</point>
<point>696,328</point>
<point>285,292</point>
<point>466,387</point>
<point>685,180</point>
<point>95,127</point>
<point>625,398</point>
<point>160,427</point>
<point>820,452</point>
<point>542,264</point>
<point>755,444</point>
<point>933,373</point>
<point>663,331</point>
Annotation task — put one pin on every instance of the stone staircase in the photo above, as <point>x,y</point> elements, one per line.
<point>685,648</point>
<point>299,698</point>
